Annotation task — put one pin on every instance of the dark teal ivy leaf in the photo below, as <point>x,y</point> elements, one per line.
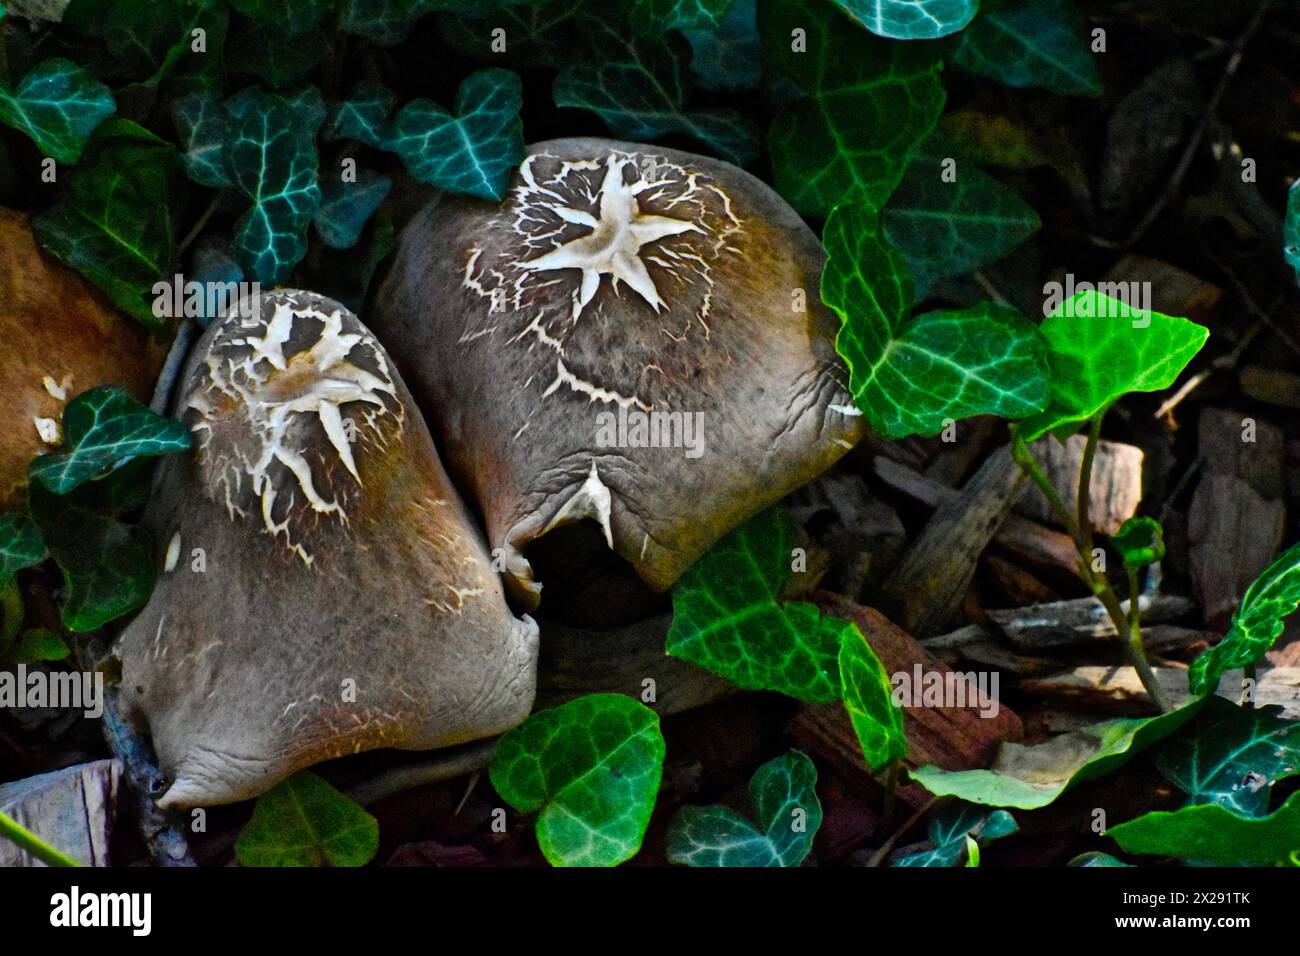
<point>640,89</point>
<point>788,814</point>
<point>1291,230</point>
<point>473,152</point>
<point>729,56</point>
<point>57,104</point>
<point>203,129</point>
<point>653,17</point>
<point>911,19</point>
<point>345,207</point>
<point>21,546</point>
<point>363,116</point>
<point>116,223</point>
<point>290,17</point>
<point>103,429</point>
<point>108,567</point>
<point>272,160</point>
<point>384,22</point>
<point>950,828</point>
<point>1031,43</point>
<point>278,59</point>
<point>151,38</point>
<point>948,225</point>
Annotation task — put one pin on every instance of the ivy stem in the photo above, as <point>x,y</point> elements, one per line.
<point>1083,513</point>
<point>891,794</point>
<point>1136,651</point>
<point>1098,584</point>
<point>33,844</point>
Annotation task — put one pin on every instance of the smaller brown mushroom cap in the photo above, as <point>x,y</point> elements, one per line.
<point>634,336</point>
<point>60,338</point>
<point>322,590</point>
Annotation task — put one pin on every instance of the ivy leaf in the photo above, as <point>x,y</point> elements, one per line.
<point>1140,542</point>
<point>1209,833</point>
<point>727,616</point>
<point>728,56</point>
<point>203,129</point>
<point>592,767</point>
<point>290,17</point>
<point>868,698</point>
<point>40,644</point>
<point>640,91</point>
<point>473,152</point>
<point>1232,756</point>
<point>909,377</point>
<point>57,104</point>
<point>151,37</point>
<point>272,159</point>
<point>345,207</point>
<point>277,58</point>
<point>1095,858</point>
<point>21,546</point>
<point>104,428</point>
<point>363,116</point>
<point>304,821</point>
<point>387,22</point>
<point>783,796</point>
<point>116,222</point>
<point>654,16</point>
<point>1291,228</point>
<point>869,104</point>
<point>1271,597</point>
<point>1100,348</point>
<point>108,567</point>
<point>1031,43</point>
<point>955,829</point>
<point>949,228</point>
<point>1030,777</point>
<point>911,19</point>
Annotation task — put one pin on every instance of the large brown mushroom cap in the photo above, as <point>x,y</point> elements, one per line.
<point>618,281</point>
<point>337,557</point>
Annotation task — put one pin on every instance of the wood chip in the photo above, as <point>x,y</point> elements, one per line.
<point>1081,621</point>
<point>1114,491</point>
<point>1119,689</point>
<point>71,809</point>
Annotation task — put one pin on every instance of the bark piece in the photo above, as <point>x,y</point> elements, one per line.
<point>71,809</point>
<point>1272,385</point>
<point>1081,621</point>
<point>1119,689</point>
<point>1113,493</point>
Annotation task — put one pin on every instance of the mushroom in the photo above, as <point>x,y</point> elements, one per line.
<point>61,338</point>
<point>323,590</point>
<point>634,337</point>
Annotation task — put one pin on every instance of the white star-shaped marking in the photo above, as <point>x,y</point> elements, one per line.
<point>614,244</point>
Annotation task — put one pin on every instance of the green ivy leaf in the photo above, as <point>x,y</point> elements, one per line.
<point>290,17</point>
<point>783,796</point>
<point>869,104</point>
<point>473,152</point>
<point>108,567</point>
<point>946,229</point>
<point>868,697</point>
<point>57,104</point>
<point>910,376</point>
<point>151,37</point>
<point>1031,43</point>
<point>363,116</point>
<point>40,644</point>
<point>1100,348</point>
<point>640,91</point>
<point>345,207</point>
<point>1232,756</point>
<point>592,768</point>
<point>954,830</point>
<point>1029,777</point>
<point>911,19</point>
<point>730,55</point>
<point>276,58</point>
<point>116,222</point>
<point>103,429</point>
<point>1291,228</point>
<point>728,617</point>
<point>21,546</point>
<point>304,821</point>
<point>651,17</point>
<point>272,159</point>
<point>1140,542</point>
<point>203,129</point>
<point>1269,600</point>
<point>1209,833</point>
